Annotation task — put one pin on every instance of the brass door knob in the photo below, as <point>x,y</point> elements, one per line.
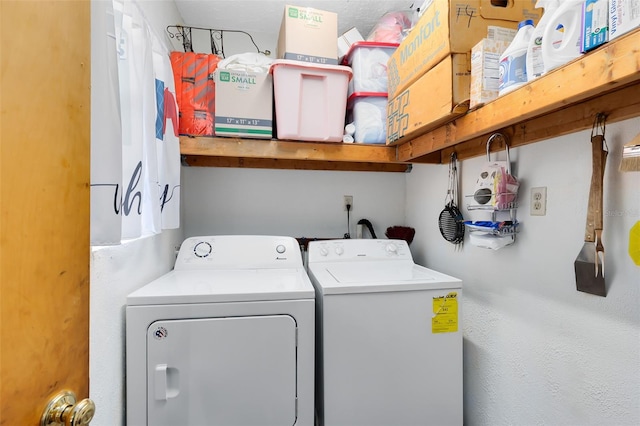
<point>62,410</point>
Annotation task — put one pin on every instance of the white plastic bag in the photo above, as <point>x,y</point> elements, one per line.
<point>250,61</point>
<point>490,241</point>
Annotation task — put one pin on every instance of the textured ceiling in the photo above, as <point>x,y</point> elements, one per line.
<point>265,16</point>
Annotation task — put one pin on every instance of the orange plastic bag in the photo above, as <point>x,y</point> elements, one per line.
<point>195,91</point>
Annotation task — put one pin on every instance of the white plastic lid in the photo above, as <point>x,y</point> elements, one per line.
<point>310,65</point>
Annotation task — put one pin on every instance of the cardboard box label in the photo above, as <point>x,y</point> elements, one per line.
<point>595,24</point>
<point>242,82</point>
<point>500,33</point>
<point>624,15</point>
<point>310,17</point>
<point>485,58</point>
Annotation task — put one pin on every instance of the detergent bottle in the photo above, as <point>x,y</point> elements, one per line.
<point>513,67</point>
<point>562,35</point>
<point>535,64</point>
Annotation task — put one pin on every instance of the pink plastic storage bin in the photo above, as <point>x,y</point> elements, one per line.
<point>368,112</point>
<point>310,100</point>
<point>368,60</point>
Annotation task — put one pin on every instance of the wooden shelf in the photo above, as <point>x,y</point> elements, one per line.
<point>277,154</point>
<point>566,100</point>
<point>563,101</point>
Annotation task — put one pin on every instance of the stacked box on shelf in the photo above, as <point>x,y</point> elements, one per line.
<point>436,98</point>
<point>368,89</point>
<point>429,73</point>
<point>485,65</point>
<point>447,27</point>
<point>308,35</point>
<point>244,104</point>
<point>346,40</point>
<point>310,88</point>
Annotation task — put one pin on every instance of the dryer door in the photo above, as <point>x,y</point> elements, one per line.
<point>222,371</point>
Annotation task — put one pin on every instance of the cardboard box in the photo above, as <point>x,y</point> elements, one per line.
<point>500,33</point>
<point>595,24</point>
<point>436,98</point>
<point>244,104</point>
<point>485,67</point>
<point>624,16</point>
<point>346,40</point>
<point>308,35</point>
<point>448,27</point>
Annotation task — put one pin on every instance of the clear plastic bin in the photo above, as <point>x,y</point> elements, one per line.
<point>368,112</point>
<point>368,60</point>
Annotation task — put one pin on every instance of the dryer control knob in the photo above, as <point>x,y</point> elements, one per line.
<point>339,250</point>
<point>280,248</point>
<point>392,248</point>
<point>323,251</point>
<point>202,249</point>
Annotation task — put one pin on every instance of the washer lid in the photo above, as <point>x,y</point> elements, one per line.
<point>366,277</point>
<point>228,285</point>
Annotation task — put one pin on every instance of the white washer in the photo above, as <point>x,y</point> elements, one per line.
<point>226,338</point>
<point>388,336</point>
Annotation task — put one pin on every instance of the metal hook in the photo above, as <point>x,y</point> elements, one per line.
<point>492,137</point>
<point>213,34</point>
<point>182,33</point>
<point>599,126</point>
<point>453,157</point>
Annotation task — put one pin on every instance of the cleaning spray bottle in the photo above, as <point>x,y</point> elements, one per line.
<point>535,64</point>
<point>565,24</point>
<point>513,67</point>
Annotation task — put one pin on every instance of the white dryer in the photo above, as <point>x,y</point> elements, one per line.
<point>226,338</point>
<point>388,336</point>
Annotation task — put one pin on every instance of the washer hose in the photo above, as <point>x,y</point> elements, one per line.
<point>366,223</point>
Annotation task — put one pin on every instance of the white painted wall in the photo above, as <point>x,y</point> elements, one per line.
<point>288,202</point>
<point>117,271</point>
<point>536,351</point>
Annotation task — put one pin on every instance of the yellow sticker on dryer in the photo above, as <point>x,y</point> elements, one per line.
<point>445,313</point>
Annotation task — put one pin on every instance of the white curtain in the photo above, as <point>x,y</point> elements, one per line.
<point>135,165</point>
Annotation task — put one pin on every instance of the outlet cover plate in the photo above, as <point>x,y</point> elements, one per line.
<point>348,199</point>
<point>538,201</point>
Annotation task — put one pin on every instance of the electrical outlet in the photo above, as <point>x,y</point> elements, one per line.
<point>348,199</point>
<point>538,201</point>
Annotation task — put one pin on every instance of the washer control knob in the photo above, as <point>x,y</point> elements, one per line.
<point>323,251</point>
<point>339,250</point>
<point>280,248</point>
<point>202,249</point>
<point>392,248</point>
